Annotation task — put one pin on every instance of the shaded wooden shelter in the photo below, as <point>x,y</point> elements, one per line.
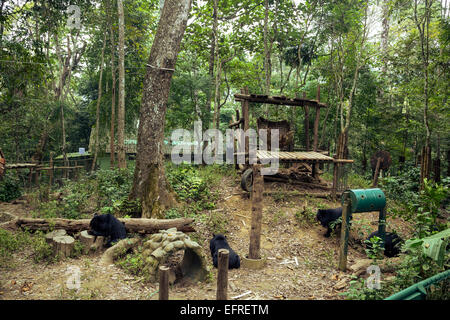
<point>310,157</point>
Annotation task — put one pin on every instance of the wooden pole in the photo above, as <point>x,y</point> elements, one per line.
<point>334,187</point>
<point>316,122</point>
<point>306,124</point>
<point>52,169</point>
<point>163,283</point>
<point>222,275</point>
<point>346,211</point>
<point>246,118</point>
<point>255,232</point>
<point>382,227</point>
<point>29,178</point>
<point>316,135</point>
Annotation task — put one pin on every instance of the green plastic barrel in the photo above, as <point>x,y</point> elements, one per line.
<point>366,200</point>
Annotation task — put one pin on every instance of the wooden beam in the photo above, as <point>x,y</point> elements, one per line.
<point>236,123</point>
<point>277,101</point>
<point>343,161</point>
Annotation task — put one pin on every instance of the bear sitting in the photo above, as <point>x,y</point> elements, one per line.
<point>219,241</point>
<point>106,225</point>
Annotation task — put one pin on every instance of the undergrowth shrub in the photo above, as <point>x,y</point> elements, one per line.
<point>10,188</point>
<point>193,186</point>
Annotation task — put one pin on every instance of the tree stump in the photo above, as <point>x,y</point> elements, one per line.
<point>97,244</point>
<point>87,240</point>
<point>56,233</point>
<point>63,245</point>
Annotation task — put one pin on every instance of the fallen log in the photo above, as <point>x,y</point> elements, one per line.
<point>119,248</point>
<point>132,225</point>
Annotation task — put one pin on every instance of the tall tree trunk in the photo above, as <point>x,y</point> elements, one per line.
<point>61,98</point>
<point>267,52</point>
<point>66,68</point>
<point>150,185</point>
<point>216,117</point>
<point>97,114</point>
<point>113,89</point>
<point>423,28</point>
<point>437,161</point>
<point>121,109</point>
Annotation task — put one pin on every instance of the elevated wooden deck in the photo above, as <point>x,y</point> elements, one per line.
<point>309,156</point>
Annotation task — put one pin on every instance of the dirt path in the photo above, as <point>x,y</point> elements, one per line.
<point>301,263</point>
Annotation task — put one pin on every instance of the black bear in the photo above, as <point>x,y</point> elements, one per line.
<point>106,225</point>
<point>392,245</point>
<point>219,241</point>
<point>327,217</point>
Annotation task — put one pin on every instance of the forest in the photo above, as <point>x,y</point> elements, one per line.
<point>100,99</point>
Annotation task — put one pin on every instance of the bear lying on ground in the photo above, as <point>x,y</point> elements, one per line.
<point>327,217</point>
<point>392,245</point>
<point>219,241</point>
<point>106,225</point>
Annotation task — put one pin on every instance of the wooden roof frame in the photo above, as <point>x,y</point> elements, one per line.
<point>279,100</point>
<point>245,98</point>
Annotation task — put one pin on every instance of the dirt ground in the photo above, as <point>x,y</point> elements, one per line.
<point>300,262</point>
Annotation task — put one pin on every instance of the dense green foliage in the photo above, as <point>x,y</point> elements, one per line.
<point>10,188</point>
<point>40,250</point>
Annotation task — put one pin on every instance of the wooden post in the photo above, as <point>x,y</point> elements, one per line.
<point>29,177</point>
<point>52,166</point>
<point>346,211</point>
<point>163,283</point>
<point>306,124</point>
<point>75,171</point>
<point>377,173</point>
<point>246,118</point>
<point>236,142</point>
<point>382,227</point>
<point>222,275</point>
<point>334,187</point>
<point>36,177</point>
<point>257,197</point>
<point>316,122</point>
<point>316,134</point>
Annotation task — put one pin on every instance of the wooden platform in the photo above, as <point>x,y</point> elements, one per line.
<point>310,156</point>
